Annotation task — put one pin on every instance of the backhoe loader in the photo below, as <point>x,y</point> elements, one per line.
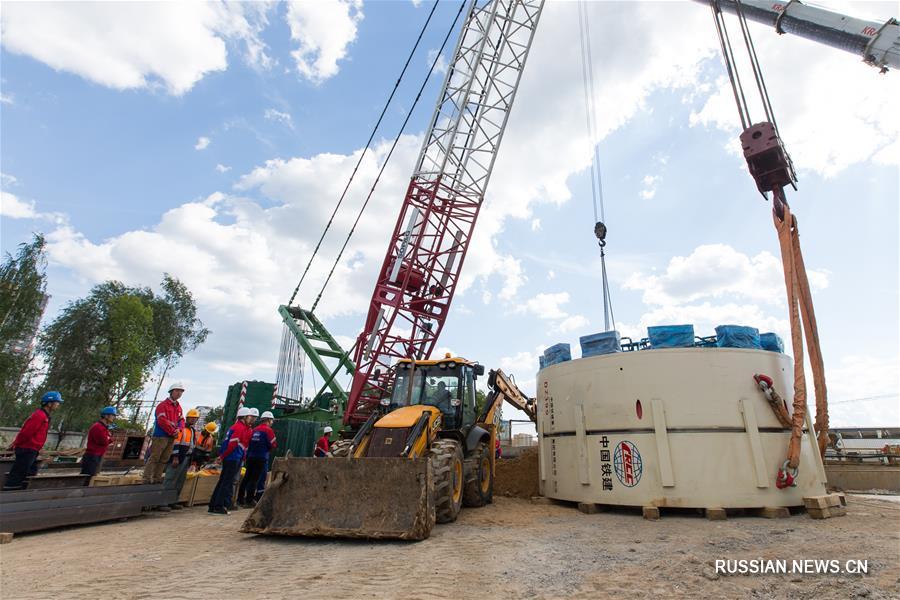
<point>427,452</point>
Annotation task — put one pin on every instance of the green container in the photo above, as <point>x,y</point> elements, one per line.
<point>295,435</point>
<point>295,429</point>
<point>259,396</point>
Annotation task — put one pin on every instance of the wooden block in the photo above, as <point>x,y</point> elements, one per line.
<point>588,508</point>
<point>651,513</point>
<point>818,513</point>
<point>827,513</point>
<point>541,500</point>
<point>775,512</point>
<point>833,500</point>
<point>842,497</point>
<point>817,502</point>
<point>716,514</point>
<point>6,538</point>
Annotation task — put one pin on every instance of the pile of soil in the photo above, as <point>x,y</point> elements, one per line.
<point>518,477</point>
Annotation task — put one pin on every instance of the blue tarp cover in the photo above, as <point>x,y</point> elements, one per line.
<point>737,336</point>
<point>556,354</point>
<point>771,342</point>
<point>606,342</point>
<point>671,336</point>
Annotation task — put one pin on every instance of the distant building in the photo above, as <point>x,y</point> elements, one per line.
<point>204,411</point>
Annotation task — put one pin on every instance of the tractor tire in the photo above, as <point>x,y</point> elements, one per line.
<point>479,488</point>
<point>447,467</point>
<point>340,448</point>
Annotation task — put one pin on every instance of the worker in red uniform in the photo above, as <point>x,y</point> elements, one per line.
<point>98,440</point>
<point>30,440</point>
<point>262,442</point>
<point>231,455</point>
<point>169,421</point>
<point>323,446</point>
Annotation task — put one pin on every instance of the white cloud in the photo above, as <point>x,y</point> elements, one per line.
<point>202,143</point>
<point>222,168</point>
<point>868,400</point>
<point>573,323</point>
<point>551,275</point>
<point>324,30</point>
<point>282,117</point>
<point>825,137</point>
<point>649,190</point>
<point>717,271</point>
<point>7,99</point>
<point>12,207</point>
<point>135,45</point>
<point>535,224</point>
<point>7,180</point>
<point>546,306</point>
<point>440,66</point>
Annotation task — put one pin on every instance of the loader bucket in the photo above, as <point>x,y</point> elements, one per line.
<point>376,498</point>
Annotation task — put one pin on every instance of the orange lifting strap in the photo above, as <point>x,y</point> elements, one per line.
<point>800,306</point>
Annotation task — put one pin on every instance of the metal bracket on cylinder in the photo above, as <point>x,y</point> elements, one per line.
<point>542,462</point>
<point>584,473</point>
<point>751,426</point>
<point>666,475</point>
<point>781,16</point>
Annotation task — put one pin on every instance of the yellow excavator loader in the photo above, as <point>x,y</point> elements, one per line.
<point>428,452</point>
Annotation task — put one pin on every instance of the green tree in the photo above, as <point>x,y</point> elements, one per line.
<point>101,349</point>
<point>176,327</point>
<point>23,283</point>
<point>216,414</point>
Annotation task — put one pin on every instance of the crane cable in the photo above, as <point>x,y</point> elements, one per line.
<point>363,153</point>
<point>799,296</point>
<point>437,58</point>
<point>587,75</point>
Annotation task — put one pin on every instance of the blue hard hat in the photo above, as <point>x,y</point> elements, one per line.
<point>109,410</point>
<point>51,397</point>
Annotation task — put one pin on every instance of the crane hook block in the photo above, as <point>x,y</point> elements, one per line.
<point>768,161</point>
<point>600,231</point>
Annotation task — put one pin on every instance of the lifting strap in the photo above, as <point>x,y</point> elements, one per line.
<point>800,308</point>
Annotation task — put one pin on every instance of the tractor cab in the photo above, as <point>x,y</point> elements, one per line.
<point>448,384</point>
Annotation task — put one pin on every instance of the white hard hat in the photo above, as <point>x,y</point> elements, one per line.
<point>176,386</point>
<point>243,412</point>
<point>328,429</point>
<point>254,412</point>
<point>267,415</point>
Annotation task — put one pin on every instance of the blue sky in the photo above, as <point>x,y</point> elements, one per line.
<point>105,111</point>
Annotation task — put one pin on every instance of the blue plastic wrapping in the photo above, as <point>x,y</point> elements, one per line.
<point>737,336</point>
<point>556,354</point>
<point>595,344</point>
<point>771,342</point>
<point>671,336</point>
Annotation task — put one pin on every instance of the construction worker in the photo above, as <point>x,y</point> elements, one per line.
<point>182,452</point>
<point>29,441</point>
<point>231,455</point>
<point>168,421</point>
<point>205,443</point>
<point>323,447</point>
<point>262,442</point>
<point>98,440</point>
<point>254,415</point>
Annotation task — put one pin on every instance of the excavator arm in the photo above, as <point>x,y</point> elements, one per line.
<point>503,387</point>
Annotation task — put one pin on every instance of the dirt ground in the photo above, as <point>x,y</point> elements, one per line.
<point>511,549</point>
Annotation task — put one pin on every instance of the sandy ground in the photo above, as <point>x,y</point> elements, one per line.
<point>511,549</point>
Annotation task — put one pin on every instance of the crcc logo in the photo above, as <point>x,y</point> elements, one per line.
<point>628,465</point>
